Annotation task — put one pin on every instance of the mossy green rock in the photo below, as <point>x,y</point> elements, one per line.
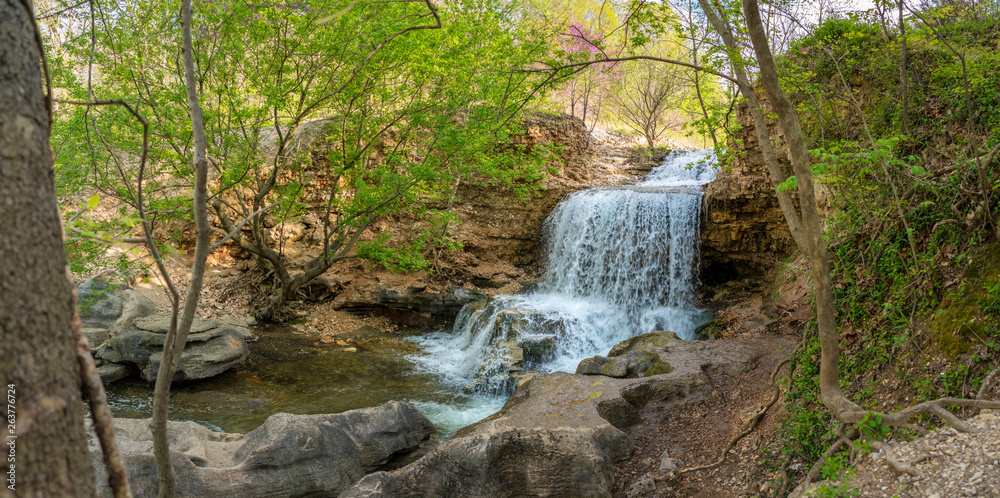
<point>657,339</point>
<point>631,364</point>
<point>961,320</point>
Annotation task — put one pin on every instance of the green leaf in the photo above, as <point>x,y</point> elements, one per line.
<point>93,201</point>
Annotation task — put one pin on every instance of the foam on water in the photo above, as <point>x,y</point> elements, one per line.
<point>618,262</point>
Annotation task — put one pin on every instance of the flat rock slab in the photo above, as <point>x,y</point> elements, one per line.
<point>558,434</point>
<point>289,455</point>
<point>160,324</point>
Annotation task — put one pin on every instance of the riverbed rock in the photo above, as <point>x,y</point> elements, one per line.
<point>107,308</point>
<point>289,455</point>
<point>558,434</point>
<point>212,347</point>
<point>112,372</point>
<point>439,302</point>
<point>636,356</point>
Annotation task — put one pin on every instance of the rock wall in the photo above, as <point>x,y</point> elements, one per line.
<point>744,229</point>
<point>496,224</point>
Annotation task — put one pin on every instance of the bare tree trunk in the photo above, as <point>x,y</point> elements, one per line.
<point>833,397</point>
<point>777,176</point>
<point>174,344</point>
<point>43,411</point>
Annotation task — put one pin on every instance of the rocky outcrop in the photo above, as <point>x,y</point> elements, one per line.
<point>558,434</point>
<point>106,309</point>
<point>744,229</point>
<point>422,298</point>
<point>289,455</point>
<point>212,347</point>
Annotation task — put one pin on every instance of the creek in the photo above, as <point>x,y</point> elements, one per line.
<point>618,262</point>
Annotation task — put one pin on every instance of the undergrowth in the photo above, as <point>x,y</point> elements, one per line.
<point>912,233</point>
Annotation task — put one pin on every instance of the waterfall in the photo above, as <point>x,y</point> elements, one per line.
<point>619,262</point>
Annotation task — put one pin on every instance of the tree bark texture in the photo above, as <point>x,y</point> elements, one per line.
<point>37,348</point>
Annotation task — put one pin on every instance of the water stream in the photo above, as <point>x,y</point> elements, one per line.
<point>619,262</point>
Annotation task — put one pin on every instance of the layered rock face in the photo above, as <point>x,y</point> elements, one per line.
<point>212,347</point>
<point>289,455</point>
<point>744,229</point>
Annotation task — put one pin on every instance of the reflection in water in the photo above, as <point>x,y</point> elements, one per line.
<point>295,374</point>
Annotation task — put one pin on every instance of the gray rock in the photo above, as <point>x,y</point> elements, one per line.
<point>112,372</point>
<point>96,337</point>
<point>211,349</point>
<point>668,464</point>
<point>440,303</point>
<point>642,488</point>
<point>631,364</point>
<point>546,441</point>
<point>106,306</point>
<point>99,305</point>
<point>647,341</point>
<point>160,324</point>
<point>289,455</point>
<point>557,435</point>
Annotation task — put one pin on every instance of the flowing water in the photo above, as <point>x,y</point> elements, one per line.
<point>291,373</point>
<point>619,262</point>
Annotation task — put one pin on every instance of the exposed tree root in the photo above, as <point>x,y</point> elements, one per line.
<point>749,424</point>
<point>899,467</point>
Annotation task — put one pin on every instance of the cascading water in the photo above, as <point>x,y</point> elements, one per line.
<point>619,262</point>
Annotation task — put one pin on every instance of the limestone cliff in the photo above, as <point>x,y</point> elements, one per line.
<point>743,229</point>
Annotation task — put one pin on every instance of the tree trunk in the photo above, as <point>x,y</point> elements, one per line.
<point>904,125</point>
<point>38,366</point>
<point>833,396</point>
<point>174,343</point>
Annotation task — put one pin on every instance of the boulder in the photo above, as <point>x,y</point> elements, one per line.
<point>546,441</point>
<point>636,356</point>
<point>647,341</point>
<point>558,434</point>
<point>106,309</point>
<point>289,455</point>
<point>630,364</point>
<point>112,372</point>
<point>212,347</point>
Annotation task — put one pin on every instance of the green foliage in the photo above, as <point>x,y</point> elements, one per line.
<point>391,119</point>
<point>871,427</point>
<point>904,218</point>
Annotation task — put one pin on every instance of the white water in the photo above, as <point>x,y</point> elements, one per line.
<point>618,262</point>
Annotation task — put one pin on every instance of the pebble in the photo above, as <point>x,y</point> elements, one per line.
<point>953,464</point>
